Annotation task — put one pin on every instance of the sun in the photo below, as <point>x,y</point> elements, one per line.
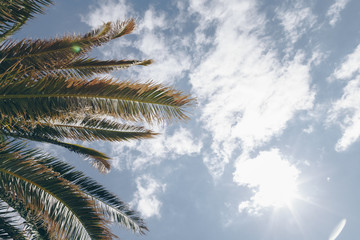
<point>279,191</point>
<point>272,179</point>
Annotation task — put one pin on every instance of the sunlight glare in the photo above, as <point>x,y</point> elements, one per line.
<point>279,190</point>
<point>273,179</point>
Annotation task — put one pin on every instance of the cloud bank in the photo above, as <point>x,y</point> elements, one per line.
<point>247,92</point>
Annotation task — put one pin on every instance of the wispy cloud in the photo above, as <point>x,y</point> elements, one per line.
<point>335,9</point>
<point>107,10</point>
<point>145,198</point>
<point>349,67</point>
<point>141,154</point>
<point>345,112</point>
<point>296,20</point>
<point>309,129</point>
<point>271,177</point>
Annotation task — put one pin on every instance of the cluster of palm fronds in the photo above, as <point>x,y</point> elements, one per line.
<point>49,92</point>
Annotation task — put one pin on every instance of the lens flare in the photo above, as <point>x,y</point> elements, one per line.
<point>76,48</point>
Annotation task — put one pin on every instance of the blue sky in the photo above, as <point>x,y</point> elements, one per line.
<point>272,148</point>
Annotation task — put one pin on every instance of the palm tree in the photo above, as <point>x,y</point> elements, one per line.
<point>50,92</point>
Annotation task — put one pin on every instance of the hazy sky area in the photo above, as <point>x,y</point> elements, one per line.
<point>272,148</point>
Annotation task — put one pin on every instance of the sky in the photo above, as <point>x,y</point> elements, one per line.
<point>272,147</point>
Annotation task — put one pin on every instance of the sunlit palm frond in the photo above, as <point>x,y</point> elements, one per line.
<point>85,129</point>
<point>40,55</point>
<point>41,188</point>
<point>14,14</point>
<point>109,204</point>
<point>111,30</point>
<point>50,96</point>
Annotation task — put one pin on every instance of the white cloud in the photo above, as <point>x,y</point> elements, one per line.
<point>145,198</point>
<point>346,113</point>
<point>272,178</point>
<point>141,154</point>
<point>335,9</point>
<point>107,10</point>
<point>349,67</point>
<point>152,21</point>
<point>309,129</point>
<point>246,93</point>
<point>296,20</point>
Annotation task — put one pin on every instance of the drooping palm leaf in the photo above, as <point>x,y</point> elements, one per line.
<point>106,202</point>
<point>99,160</point>
<point>40,187</point>
<point>85,129</point>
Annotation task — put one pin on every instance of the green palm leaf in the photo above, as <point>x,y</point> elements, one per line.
<point>60,201</point>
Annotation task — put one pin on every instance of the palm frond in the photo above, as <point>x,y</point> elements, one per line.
<point>99,160</point>
<point>14,14</point>
<point>40,55</point>
<point>88,67</point>
<point>85,129</point>
<point>109,204</point>
<point>9,224</point>
<point>41,188</point>
<point>51,96</point>
<point>90,129</point>
<point>34,225</point>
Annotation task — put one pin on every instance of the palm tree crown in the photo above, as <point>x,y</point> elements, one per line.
<point>50,92</point>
